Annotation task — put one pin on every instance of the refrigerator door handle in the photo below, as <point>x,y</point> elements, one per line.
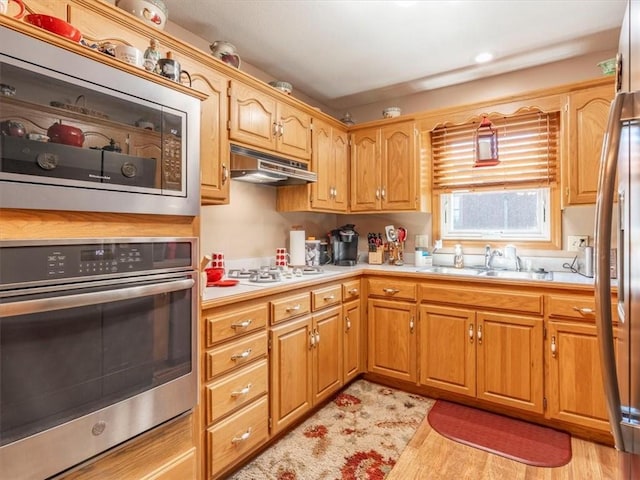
<point>604,209</point>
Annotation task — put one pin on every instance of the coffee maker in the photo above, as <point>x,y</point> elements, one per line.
<point>344,245</point>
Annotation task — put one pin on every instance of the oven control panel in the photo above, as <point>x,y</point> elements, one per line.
<point>48,261</point>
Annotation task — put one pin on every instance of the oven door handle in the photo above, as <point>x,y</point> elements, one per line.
<point>27,307</point>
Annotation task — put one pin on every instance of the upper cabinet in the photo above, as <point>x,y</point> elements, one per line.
<point>384,168</point>
<point>330,161</point>
<point>258,119</point>
<point>587,113</point>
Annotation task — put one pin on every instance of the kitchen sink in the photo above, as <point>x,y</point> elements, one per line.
<point>481,272</point>
<point>511,274</point>
<point>450,270</point>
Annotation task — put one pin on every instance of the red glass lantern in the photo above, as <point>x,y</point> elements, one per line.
<point>486,144</point>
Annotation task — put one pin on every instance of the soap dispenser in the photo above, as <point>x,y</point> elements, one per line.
<point>458,257</point>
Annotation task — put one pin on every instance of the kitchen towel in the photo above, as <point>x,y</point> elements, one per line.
<point>296,248</point>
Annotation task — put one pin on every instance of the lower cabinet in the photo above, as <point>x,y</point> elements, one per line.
<point>575,392</point>
<point>491,356</point>
<point>306,364</point>
<point>392,339</point>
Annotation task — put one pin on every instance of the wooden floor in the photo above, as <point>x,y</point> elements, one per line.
<point>429,455</point>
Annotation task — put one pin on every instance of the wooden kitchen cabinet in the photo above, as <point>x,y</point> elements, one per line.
<point>491,356</point>
<point>306,358</point>
<point>575,391</point>
<point>291,376</point>
<point>214,144</point>
<point>392,339</point>
<point>330,161</point>
<point>354,346</point>
<point>474,343</point>
<point>260,120</point>
<point>587,114</point>
<point>235,384</point>
<point>384,168</point>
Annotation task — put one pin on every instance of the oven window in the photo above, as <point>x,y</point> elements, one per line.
<point>59,365</point>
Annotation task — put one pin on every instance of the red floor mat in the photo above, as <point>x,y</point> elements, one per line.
<point>515,439</point>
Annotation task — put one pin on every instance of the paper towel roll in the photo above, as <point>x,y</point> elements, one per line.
<point>296,248</point>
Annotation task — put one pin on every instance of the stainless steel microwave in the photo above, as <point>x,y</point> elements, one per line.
<point>77,134</point>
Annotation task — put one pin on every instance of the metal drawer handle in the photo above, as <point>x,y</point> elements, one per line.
<point>480,334</point>
<point>244,391</point>
<point>312,340</point>
<point>317,336</point>
<point>584,310</point>
<point>471,333</point>
<point>554,347</point>
<point>275,129</point>
<point>377,194</point>
<point>241,356</point>
<point>384,193</point>
<point>330,297</point>
<point>225,174</point>
<point>244,324</point>
<point>348,322</point>
<point>295,308</point>
<point>242,438</point>
<point>411,325</point>
<point>390,291</point>
<point>353,291</point>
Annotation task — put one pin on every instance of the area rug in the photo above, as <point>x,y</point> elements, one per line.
<point>359,435</point>
<point>515,439</point>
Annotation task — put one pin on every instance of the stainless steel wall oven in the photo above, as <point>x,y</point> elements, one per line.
<point>77,134</point>
<point>97,344</point>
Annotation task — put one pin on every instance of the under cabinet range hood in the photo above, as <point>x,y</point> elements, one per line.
<point>261,168</point>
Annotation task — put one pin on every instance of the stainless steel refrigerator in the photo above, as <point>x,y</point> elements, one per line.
<point>618,204</point>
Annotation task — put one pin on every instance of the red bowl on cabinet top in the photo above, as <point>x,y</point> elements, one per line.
<point>55,25</point>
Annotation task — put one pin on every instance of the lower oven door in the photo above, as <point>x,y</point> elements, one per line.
<point>87,367</point>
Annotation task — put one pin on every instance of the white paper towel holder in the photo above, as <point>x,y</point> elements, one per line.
<point>297,239</point>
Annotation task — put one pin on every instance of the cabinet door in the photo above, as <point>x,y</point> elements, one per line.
<point>214,146</point>
<point>252,116</point>
<point>392,339</point>
<point>509,360</point>
<point>323,165</point>
<point>365,170</point>
<point>352,361</point>
<point>290,372</point>
<point>294,137</point>
<point>448,349</point>
<point>340,153</point>
<point>575,392</point>
<point>587,121</point>
<point>398,169</point>
<point>327,353</point>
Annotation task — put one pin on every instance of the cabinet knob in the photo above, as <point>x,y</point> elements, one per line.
<point>242,438</point>
<point>244,391</point>
<point>353,291</point>
<point>241,356</point>
<point>225,174</point>
<point>244,324</point>
<point>584,311</point>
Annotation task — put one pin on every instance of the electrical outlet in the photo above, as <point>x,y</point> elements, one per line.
<point>574,242</point>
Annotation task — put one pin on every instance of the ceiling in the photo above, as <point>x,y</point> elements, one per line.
<point>352,52</point>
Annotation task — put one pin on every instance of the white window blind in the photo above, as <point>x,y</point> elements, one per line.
<point>528,150</point>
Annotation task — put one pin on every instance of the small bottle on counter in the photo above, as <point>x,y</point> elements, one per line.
<point>458,257</point>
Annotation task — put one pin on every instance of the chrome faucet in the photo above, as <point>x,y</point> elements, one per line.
<point>487,256</point>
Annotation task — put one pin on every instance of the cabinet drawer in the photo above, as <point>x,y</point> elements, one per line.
<point>325,297</point>
<point>499,299</point>
<point>233,323</point>
<point>289,307</point>
<point>236,437</point>
<point>235,390</point>
<point>350,290</point>
<point>390,288</point>
<point>240,352</point>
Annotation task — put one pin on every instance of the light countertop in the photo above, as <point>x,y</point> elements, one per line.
<point>247,290</point>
